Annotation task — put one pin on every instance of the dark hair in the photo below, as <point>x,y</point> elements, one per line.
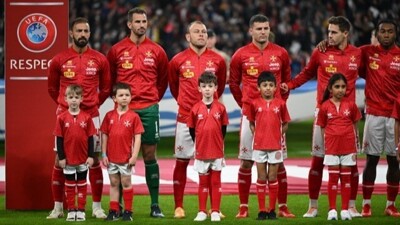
<point>342,22</point>
<point>387,21</point>
<point>119,86</point>
<point>78,20</point>
<point>74,89</point>
<point>210,33</point>
<point>136,10</point>
<point>266,76</point>
<point>208,77</point>
<point>259,18</point>
<point>335,77</point>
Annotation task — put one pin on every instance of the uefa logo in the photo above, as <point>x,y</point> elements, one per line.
<point>36,32</point>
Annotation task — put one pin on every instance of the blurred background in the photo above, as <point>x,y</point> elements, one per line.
<point>298,25</point>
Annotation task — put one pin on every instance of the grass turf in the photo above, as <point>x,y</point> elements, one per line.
<point>297,203</point>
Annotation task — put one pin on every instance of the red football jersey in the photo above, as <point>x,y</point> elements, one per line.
<point>121,131</point>
<point>396,109</point>
<point>382,76</point>
<point>324,64</point>
<point>89,69</point>
<point>184,71</point>
<point>246,65</point>
<point>143,67</point>
<point>76,130</point>
<point>208,128</point>
<point>268,118</point>
<point>339,136</point>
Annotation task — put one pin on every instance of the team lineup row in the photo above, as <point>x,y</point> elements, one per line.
<point>144,67</point>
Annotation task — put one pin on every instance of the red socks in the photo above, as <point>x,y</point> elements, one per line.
<point>179,179</point>
<point>96,182</point>
<point>127,195</point>
<point>273,192</point>
<point>392,189</point>
<point>114,206</point>
<point>215,190</point>
<point>57,184</point>
<point>261,189</point>
<point>354,182</point>
<point>70,186</point>
<point>82,192</point>
<point>345,181</point>
<point>244,183</point>
<point>282,182</point>
<point>333,186</point>
<point>315,177</point>
<point>368,188</point>
<point>203,191</point>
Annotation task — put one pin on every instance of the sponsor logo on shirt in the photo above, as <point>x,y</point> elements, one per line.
<point>374,65</point>
<point>69,73</point>
<point>331,69</point>
<point>252,71</point>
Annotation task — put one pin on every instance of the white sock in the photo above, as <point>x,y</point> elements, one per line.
<point>388,203</point>
<point>352,203</point>
<point>96,205</point>
<point>58,205</point>
<point>366,201</point>
<point>313,203</point>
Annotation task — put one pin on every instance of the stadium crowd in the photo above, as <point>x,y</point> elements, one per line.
<point>298,25</point>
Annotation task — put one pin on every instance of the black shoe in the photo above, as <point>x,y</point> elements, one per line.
<point>112,215</point>
<point>272,215</point>
<point>156,212</point>
<point>127,216</point>
<point>262,215</point>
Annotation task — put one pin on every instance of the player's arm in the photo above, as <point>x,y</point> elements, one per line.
<point>61,152</point>
<point>162,74</point>
<point>307,73</point>
<point>104,141</point>
<point>396,137</point>
<point>286,74</point>
<point>252,126</point>
<point>89,160</point>
<point>235,79</point>
<point>221,75</point>
<point>53,80</point>
<point>135,149</point>
<point>104,82</point>
<point>173,78</point>
<point>112,62</point>
<point>285,126</point>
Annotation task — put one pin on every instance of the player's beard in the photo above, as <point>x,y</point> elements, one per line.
<point>81,42</point>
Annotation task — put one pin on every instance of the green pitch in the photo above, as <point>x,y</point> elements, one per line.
<point>297,203</point>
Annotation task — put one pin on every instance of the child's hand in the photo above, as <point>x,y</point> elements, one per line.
<point>89,161</point>
<point>105,161</point>
<point>132,162</point>
<point>62,163</point>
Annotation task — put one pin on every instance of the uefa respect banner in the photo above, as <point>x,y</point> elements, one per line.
<point>34,32</point>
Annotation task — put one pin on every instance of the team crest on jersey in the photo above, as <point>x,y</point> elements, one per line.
<point>127,123</point>
<point>90,69</point>
<point>273,65</point>
<point>352,64</point>
<point>276,110</point>
<point>200,117</point>
<point>83,124</point>
<point>148,60</point>
<point>66,124</point>
<point>329,115</point>
<point>36,32</point>
<point>346,112</point>
<point>331,69</point>
<point>259,109</point>
<point>395,64</point>
<point>217,115</point>
<point>252,71</point>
